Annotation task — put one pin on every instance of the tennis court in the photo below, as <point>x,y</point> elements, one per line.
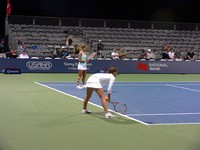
<point>159,115</point>
<point>149,103</point>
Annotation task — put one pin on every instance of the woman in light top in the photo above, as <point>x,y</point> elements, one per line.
<point>95,83</point>
<point>82,67</point>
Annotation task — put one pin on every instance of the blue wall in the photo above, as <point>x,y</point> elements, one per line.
<point>124,66</point>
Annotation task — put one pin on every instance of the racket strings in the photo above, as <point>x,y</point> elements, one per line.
<point>120,107</point>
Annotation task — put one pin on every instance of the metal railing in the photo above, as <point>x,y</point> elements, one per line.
<point>85,22</point>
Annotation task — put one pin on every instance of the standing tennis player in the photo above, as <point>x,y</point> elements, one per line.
<point>82,67</point>
<point>95,83</point>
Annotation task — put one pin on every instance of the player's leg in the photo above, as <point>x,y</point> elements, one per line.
<point>89,92</point>
<point>83,78</point>
<point>102,96</point>
<point>80,72</point>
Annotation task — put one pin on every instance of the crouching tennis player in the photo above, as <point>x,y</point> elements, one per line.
<point>95,83</point>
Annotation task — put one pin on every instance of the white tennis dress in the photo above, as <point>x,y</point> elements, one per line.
<point>82,65</point>
<point>97,80</point>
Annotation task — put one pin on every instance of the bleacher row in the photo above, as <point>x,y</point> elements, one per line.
<point>46,38</point>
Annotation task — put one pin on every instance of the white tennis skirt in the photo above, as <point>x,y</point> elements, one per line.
<point>82,66</point>
<point>95,85</point>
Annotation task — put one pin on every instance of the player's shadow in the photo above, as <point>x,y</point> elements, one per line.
<point>117,119</point>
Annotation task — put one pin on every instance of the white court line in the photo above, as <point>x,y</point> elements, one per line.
<point>180,87</point>
<point>165,114</point>
<point>91,103</point>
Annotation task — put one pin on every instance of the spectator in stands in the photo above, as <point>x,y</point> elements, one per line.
<point>190,55</point>
<point>57,53</point>
<point>115,55</point>
<point>122,54</point>
<point>63,53</point>
<point>23,55</point>
<point>100,46</point>
<point>19,43</point>
<point>2,50</point>
<point>76,49</point>
<point>143,55</point>
<point>171,54</point>
<point>82,67</point>
<point>165,51</point>
<point>12,53</point>
<point>150,54</point>
<point>19,40</point>
<point>178,56</point>
<point>68,41</point>
<point>22,47</point>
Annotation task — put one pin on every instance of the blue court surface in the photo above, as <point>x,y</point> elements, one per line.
<point>150,103</point>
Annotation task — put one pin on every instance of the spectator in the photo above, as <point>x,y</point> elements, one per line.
<point>190,55</point>
<point>22,47</point>
<point>56,53</point>
<point>115,55</point>
<point>12,53</point>
<point>150,55</point>
<point>143,55</point>
<point>63,53</point>
<point>171,54</point>
<point>165,51</point>
<point>23,55</point>
<point>2,50</point>
<point>19,40</point>
<point>100,47</point>
<point>178,56</point>
<point>122,54</point>
<point>68,41</point>
<point>76,49</point>
<point>166,47</point>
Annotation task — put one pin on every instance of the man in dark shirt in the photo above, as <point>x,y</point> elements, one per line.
<point>190,55</point>
<point>100,47</point>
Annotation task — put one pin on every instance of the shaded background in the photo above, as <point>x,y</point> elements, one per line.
<point>156,10</point>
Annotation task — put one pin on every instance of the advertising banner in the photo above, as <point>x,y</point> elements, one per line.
<point>124,66</point>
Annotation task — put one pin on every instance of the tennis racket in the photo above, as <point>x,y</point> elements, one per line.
<point>119,107</point>
<point>91,56</point>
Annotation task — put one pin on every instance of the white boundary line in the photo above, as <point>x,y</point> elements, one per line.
<point>165,114</point>
<point>156,83</point>
<point>90,103</point>
<point>180,87</point>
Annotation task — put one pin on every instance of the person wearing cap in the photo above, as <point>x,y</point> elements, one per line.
<point>150,54</point>
<point>23,55</point>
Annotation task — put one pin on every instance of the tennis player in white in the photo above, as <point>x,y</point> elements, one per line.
<point>95,83</point>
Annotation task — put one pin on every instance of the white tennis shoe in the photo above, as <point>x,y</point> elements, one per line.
<point>85,111</point>
<point>79,87</point>
<point>108,115</point>
<point>84,86</point>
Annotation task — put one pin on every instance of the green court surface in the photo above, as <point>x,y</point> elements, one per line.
<point>33,117</point>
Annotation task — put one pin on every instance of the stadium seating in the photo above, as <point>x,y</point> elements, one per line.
<point>41,40</point>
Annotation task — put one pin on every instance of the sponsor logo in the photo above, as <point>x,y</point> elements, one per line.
<point>157,66</point>
<point>74,65</point>
<point>39,65</point>
<point>142,66</point>
<point>151,66</point>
